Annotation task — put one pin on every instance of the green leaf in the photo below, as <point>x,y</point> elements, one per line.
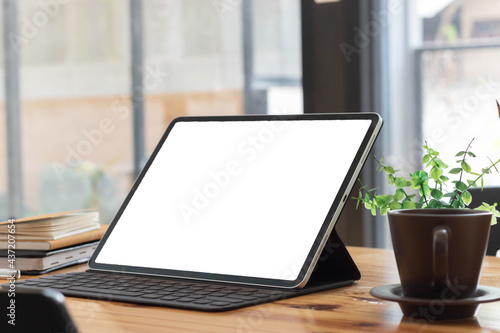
<point>433,204</point>
<point>485,205</point>
<point>441,204</point>
<point>493,164</point>
<point>466,166</point>
<point>373,209</point>
<point>491,209</point>
<point>421,174</point>
<point>382,200</point>
<point>458,204</point>
<point>436,173</point>
<point>471,183</point>
<point>398,195</point>
<point>460,153</point>
<point>395,205</point>
<point>440,163</point>
<point>400,182</point>
<point>449,195</point>
<point>494,210</point>
<point>471,154</point>
<point>466,198</point>
<point>426,158</point>
<point>357,201</point>
<point>486,170</point>
<point>437,194</point>
<point>415,184</point>
<point>426,190</point>
<point>389,170</point>
<point>454,171</point>
<point>383,211</point>
<point>408,204</point>
<point>367,201</point>
<point>460,186</point>
<point>444,178</point>
<point>390,180</point>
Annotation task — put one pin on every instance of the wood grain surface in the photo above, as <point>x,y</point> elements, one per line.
<point>348,309</point>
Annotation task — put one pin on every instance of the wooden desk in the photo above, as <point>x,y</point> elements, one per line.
<point>349,309</point>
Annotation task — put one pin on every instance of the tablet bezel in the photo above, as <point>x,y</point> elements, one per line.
<point>323,234</point>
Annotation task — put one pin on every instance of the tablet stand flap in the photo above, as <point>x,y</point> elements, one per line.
<point>334,264</point>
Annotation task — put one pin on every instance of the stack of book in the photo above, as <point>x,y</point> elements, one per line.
<point>40,244</point>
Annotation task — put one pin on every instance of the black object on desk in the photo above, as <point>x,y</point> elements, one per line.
<point>34,310</point>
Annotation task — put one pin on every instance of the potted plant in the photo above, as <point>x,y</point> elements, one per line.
<point>439,243</point>
<point>432,186</point>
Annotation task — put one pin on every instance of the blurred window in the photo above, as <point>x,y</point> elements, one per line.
<point>460,78</point>
<point>76,128</point>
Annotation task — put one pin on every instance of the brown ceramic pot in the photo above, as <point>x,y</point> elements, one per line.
<point>439,252</point>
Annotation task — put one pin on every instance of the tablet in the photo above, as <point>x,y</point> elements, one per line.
<point>239,199</point>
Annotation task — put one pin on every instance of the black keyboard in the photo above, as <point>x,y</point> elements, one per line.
<point>203,296</point>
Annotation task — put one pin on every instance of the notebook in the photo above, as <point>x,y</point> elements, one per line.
<point>247,202</point>
<point>33,262</point>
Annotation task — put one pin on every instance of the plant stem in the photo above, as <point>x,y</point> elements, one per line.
<point>483,173</point>
<point>461,172</point>
<point>423,196</point>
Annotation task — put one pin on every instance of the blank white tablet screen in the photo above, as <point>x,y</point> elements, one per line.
<point>244,198</point>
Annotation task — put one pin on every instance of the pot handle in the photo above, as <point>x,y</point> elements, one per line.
<point>440,257</point>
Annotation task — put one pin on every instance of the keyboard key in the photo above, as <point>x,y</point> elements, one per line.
<point>119,288</point>
<point>202,301</point>
<point>220,303</point>
<point>223,299</point>
<point>105,291</point>
<point>155,287</point>
<point>151,296</point>
<point>170,297</point>
<point>181,294</point>
<point>197,296</point>
<point>50,278</point>
<point>243,297</point>
<point>58,286</point>
<point>185,299</point>
<point>215,286</point>
<point>219,294</point>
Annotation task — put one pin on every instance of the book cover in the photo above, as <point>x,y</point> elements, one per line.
<point>50,226</point>
<point>33,262</point>
<point>46,245</point>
